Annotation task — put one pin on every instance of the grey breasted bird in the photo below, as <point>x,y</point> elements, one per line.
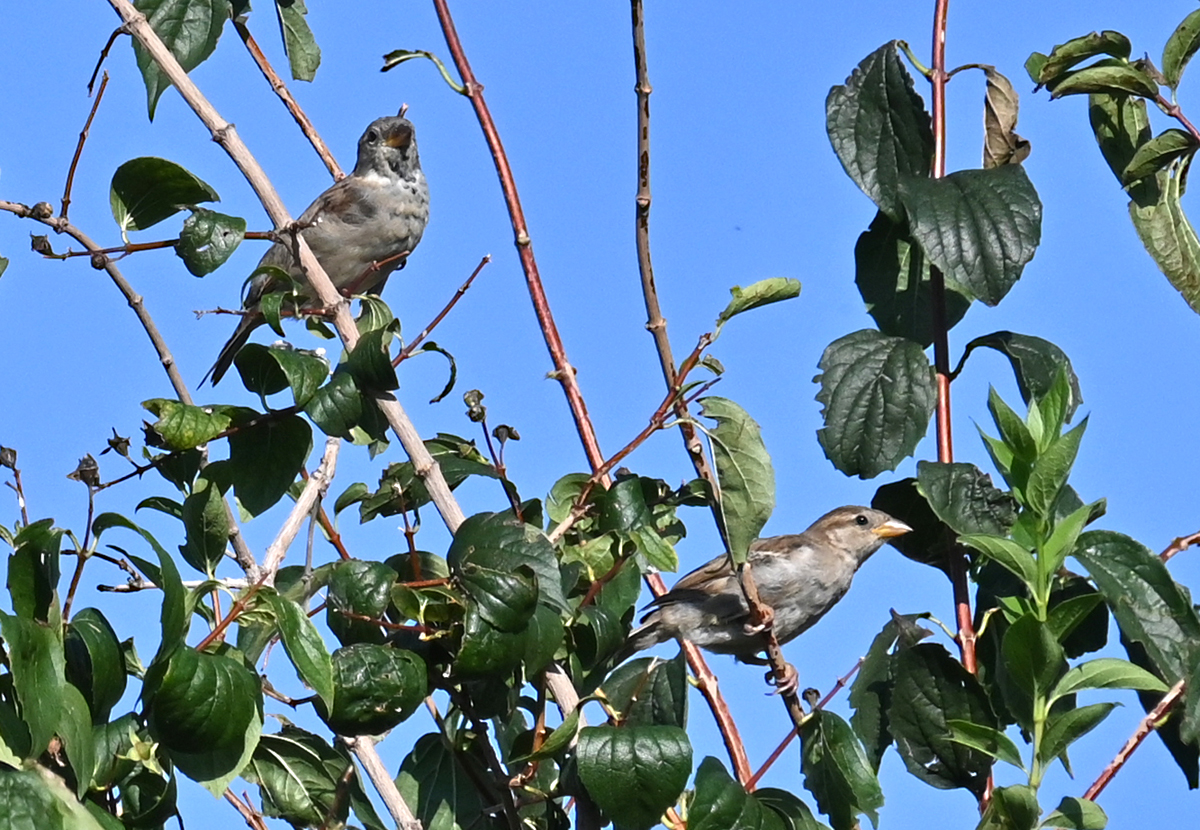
<point>801,576</point>
<point>360,229</point>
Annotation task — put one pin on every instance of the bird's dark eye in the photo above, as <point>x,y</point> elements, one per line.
<point>861,520</point>
<point>372,137</point>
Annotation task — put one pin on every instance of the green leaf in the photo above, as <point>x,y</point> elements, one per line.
<point>1065,728</point>
<point>304,780</point>
<point>1168,235</point>
<point>266,370</point>
<point>878,394</point>
<point>75,729</point>
<point>871,696</point>
<point>1121,126</point>
<point>1077,814</point>
<point>879,128</point>
<point>438,787</point>
<point>183,426</point>
<point>962,496</point>
<point>1062,541</point>
<point>1011,808</point>
<point>35,660</point>
<point>304,646</point>
<point>206,709</point>
<point>1110,77</point>
<point>1050,471</point>
<point>744,471</point>
<point>337,407</point>
<point>144,191</point>
<point>1150,607</point>
<point>1001,144</point>
<point>264,460</point>
<point>33,571</point>
<point>496,541</point>
<point>35,799</point>
<point>720,803</point>
<point>505,599</point>
<point>1078,617</point>
<point>1035,362</point>
<point>304,55</point>
<point>370,362</point>
<point>94,663</point>
<point>796,814</point>
<point>361,588</point>
<point>375,688</point>
<point>931,689</point>
<point>893,278</point>
<point>208,239</point>
<point>1181,46</point>
<point>649,690</point>
<point>979,227</point>
<point>1033,656</point>
<point>1106,673</point>
<point>1076,50</point>
<point>837,772</point>
<point>189,28</point>
<point>148,799</point>
<point>1016,559</point>
<point>1156,154</point>
<point>635,773</point>
<point>986,739</point>
<point>206,519</point>
<point>763,292</point>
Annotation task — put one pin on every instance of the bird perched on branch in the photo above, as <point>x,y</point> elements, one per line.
<point>360,229</point>
<point>800,576</point>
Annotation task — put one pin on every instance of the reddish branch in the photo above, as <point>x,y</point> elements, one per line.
<point>83,134</point>
<point>1148,725</point>
<point>563,371</point>
<point>407,351</point>
<point>1179,545</point>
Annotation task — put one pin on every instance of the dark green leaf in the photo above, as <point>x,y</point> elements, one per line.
<point>1032,656</point>
<point>837,772</point>
<point>871,696</point>
<point>1156,154</point>
<point>1036,363</point>
<point>1076,50</point>
<point>979,227</point>
<point>649,690</point>
<point>720,803</point>
<point>400,489</point>
<point>439,788</point>
<point>35,660</point>
<point>744,471</point>
<point>1077,814</point>
<point>931,542</point>
<point>1120,125</point>
<point>337,406</point>
<point>1078,617</point>
<point>375,688</point>
<point>795,813</point>
<point>265,459</point>
<point>1050,472</point>
<point>1110,77</point>
<point>33,570</point>
<point>183,426</point>
<point>634,774</point>
<point>1001,144</point>
<point>505,599</point>
<point>1181,46</point>
<point>1011,808</point>
<point>879,128</point>
<point>878,394</point>
<point>208,239</point>
<point>362,589</point>
<point>304,646</point>
<point>486,650</point>
<point>189,28</point>
<point>986,739</point>
<point>763,292</point>
<point>370,361</point>
<point>963,497</point>
<point>1063,728</point>
<point>35,799</point>
<point>892,276</point>
<point>147,190</point>
<point>75,729</point>
<point>148,799</point>
<point>932,688</point>
<point>304,55</point>
<point>496,541</point>
<point>206,519</point>
<point>94,663</point>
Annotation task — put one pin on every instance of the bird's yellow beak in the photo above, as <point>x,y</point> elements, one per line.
<point>400,139</point>
<point>892,527</point>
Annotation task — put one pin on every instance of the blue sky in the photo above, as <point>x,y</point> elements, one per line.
<point>745,186</point>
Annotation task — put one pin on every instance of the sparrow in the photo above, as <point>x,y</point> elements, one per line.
<point>360,229</point>
<point>800,576</point>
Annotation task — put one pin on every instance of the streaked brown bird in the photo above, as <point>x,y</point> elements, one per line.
<point>361,229</point>
<point>800,576</point>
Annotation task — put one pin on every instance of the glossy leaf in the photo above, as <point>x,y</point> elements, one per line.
<point>304,646</point>
<point>893,278</point>
<point>837,772</point>
<point>635,773</point>
<point>763,292</point>
<point>879,128</point>
<point>145,191</point>
<point>75,729</point>
<point>337,406</point>
<point>94,663</point>
<point>505,599</point>
<point>188,28</point>
<point>1033,656</point>
<point>1077,814</point>
<point>370,361</point>
<point>36,664</point>
<point>1016,559</point>
<point>979,227</point>
<point>375,688</point>
<point>1035,362</point>
<point>744,471</point>
<point>437,786</point>
<point>932,688</point>
<point>720,803</point>
<point>206,520</point>
<point>33,570</point>
<point>1011,808</point>
<point>1106,673</point>
<point>1064,728</point>
<point>878,395</point>
<point>362,589</point>
<point>649,690</point>
<point>496,541</point>
<point>266,458</point>
<point>208,239</point>
<point>986,739</point>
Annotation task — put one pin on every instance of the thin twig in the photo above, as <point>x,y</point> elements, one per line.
<point>564,373</point>
<point>120,30</point>
<point>1147,725</point>
<point>236,611</point>
<point>407,351</point>
<point>364,750</point>
<point>280,88</point>
<point>83,134</point>
<point>1179,545</point>
<point>314,490</point>
<point>84,554</point>
<point>226,135</point>
<point>253,819</point>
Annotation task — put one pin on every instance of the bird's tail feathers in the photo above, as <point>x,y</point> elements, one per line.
<point>229,351</point>
<point>643,637</point>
